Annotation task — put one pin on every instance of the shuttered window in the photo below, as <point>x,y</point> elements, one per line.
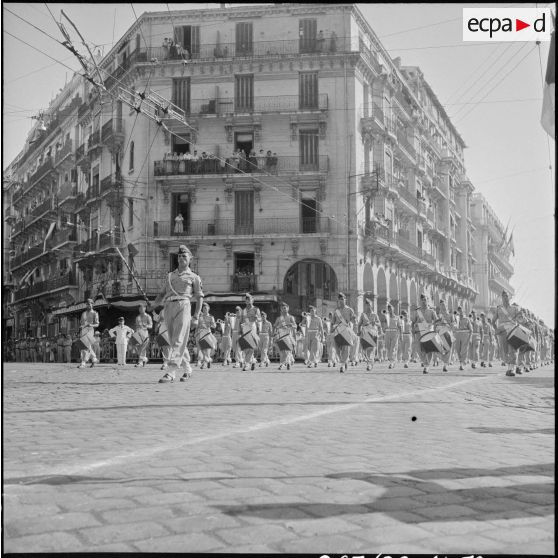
<point>244,93</point>
<point>308,90</point>
<point>244,38</point>
<point>188,37</point>
<point>244,212</point>
<point>309,155</point>
<point>307,30</point>
<point>181,93</point>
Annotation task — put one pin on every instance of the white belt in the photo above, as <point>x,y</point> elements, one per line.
<point>176,298</point>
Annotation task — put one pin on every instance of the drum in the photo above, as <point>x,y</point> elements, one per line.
<point>422,327</point>
<point>163,339</point>
<point>85,340</point>
<point>138,337</point>
<point>368,336</point>
<point>431,342</point>
<point>343,335</point>
<point>518,337</point>
<point>206,339</point>
<point>446,334</point>
<point>248,339</point>
<point>284,339</point>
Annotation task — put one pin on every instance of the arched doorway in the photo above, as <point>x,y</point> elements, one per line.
<point>382,289</point>
<point>309,282</point>
<point>393,292</point>
<point>403,295</point>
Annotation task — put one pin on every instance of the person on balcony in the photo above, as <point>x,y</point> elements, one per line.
<point>122,334</point>
<point>252,165</point>
<point>144,324</point>
<point>463,331</point>
<point>181,286</point>
<point>179,224</point>
<point>261,160</point>
<point>88,322</point>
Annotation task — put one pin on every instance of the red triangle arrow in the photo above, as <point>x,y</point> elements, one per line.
<point>519,25</point>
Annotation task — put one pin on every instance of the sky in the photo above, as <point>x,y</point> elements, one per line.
<point>491,91</point>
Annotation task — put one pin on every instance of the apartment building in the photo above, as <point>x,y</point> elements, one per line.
<point>494,249</point>
<point>352,176</point>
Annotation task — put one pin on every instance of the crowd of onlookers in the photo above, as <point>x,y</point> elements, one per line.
<point>207,163</point>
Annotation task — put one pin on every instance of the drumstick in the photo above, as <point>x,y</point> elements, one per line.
<point>133,276</point>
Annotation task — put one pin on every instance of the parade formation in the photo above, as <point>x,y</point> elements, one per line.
<point>512,337</point>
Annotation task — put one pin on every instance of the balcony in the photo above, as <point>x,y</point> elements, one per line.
<point>109,239</point>
<point>230,227</point>
<point>499,283</point>
<point>405,147</point>
<point>244,283</point>
<point>32,253</point>
<point>43,171</point>
<point>67,195</point>
<point>372,119</point>
<point>408,246</point>
<point>62,237</point>
<point>369,56</point>
<point>500,259</point>
<point>251,165</point>
<point>110,183</point>
<point>64,154</point>
<point>43,207</point>
<point>94,144</point>
<point>405,194</point>
<point>65,281</point>
<point>264,105</point>
<point>112,134</point>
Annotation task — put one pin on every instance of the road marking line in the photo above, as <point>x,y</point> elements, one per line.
<point>145,453</point>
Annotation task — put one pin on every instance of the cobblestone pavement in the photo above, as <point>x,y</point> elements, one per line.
<point>107,459</point>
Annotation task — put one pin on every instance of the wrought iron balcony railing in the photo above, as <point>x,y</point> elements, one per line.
<point>250,165</point>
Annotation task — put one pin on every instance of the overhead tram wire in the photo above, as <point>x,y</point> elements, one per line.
<point>496,85</point>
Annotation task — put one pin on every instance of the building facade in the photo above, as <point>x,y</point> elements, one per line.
<point>351,176</point>
<point>493,249</point>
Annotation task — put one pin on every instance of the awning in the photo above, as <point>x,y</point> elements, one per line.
<point>78,307</point>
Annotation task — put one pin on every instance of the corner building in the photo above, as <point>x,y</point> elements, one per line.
<point>364,191</point>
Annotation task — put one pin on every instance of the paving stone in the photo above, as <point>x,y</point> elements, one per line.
<point>256,534</point>
<point>45,542</point>
<point>190,542</point>
<point>52,523</point>
<point>122,532</point>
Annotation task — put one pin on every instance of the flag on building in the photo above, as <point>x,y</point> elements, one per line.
<point>50,229</point>
<point>548,110</point>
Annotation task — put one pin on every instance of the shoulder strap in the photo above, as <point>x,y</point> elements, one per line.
<point>338,313</point>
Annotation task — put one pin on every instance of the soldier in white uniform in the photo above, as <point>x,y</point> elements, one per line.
<point>122,333</point>
<point>182,285</point>
<point>89,321</point>
<point>144,324</point>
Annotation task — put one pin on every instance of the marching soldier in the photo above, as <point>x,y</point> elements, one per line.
<point>88,322</point>
<point>285,320</point>
<point>506,318</point>
<point>406,338</point>
<point>343,317</point>
<point>423,321</point>
<point>476,339</point>
<point>463,332</point>
<point>487,332</point>
<point>250,315</point>
<point>144,324</point>
<point>206,322</point>
<point>330,345</point>
<point>314,338</point>
<point>265,339</point>
<point>392,332</point>
<point>67,347</point>
<point>369,318</point>
<point>181,287</point>
<point>446,320</point>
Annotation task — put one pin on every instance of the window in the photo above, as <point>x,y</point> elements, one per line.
<point>309,150</point>
<point>244,279</point>
<point>388,161</point>
<point>188,37</point>
<point>244,212</point>
<point>131,157</point>
<point>309,214</point>
<point>244,141</point>
<point>244,38</point>
<point>419,239</point>
<point>181,93</point>
<point>307,31</point>
<point>244,93</point>
<point>130,212</point>
<point>308,90</point>
<point>181,143</point>
<point>180,205</point>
